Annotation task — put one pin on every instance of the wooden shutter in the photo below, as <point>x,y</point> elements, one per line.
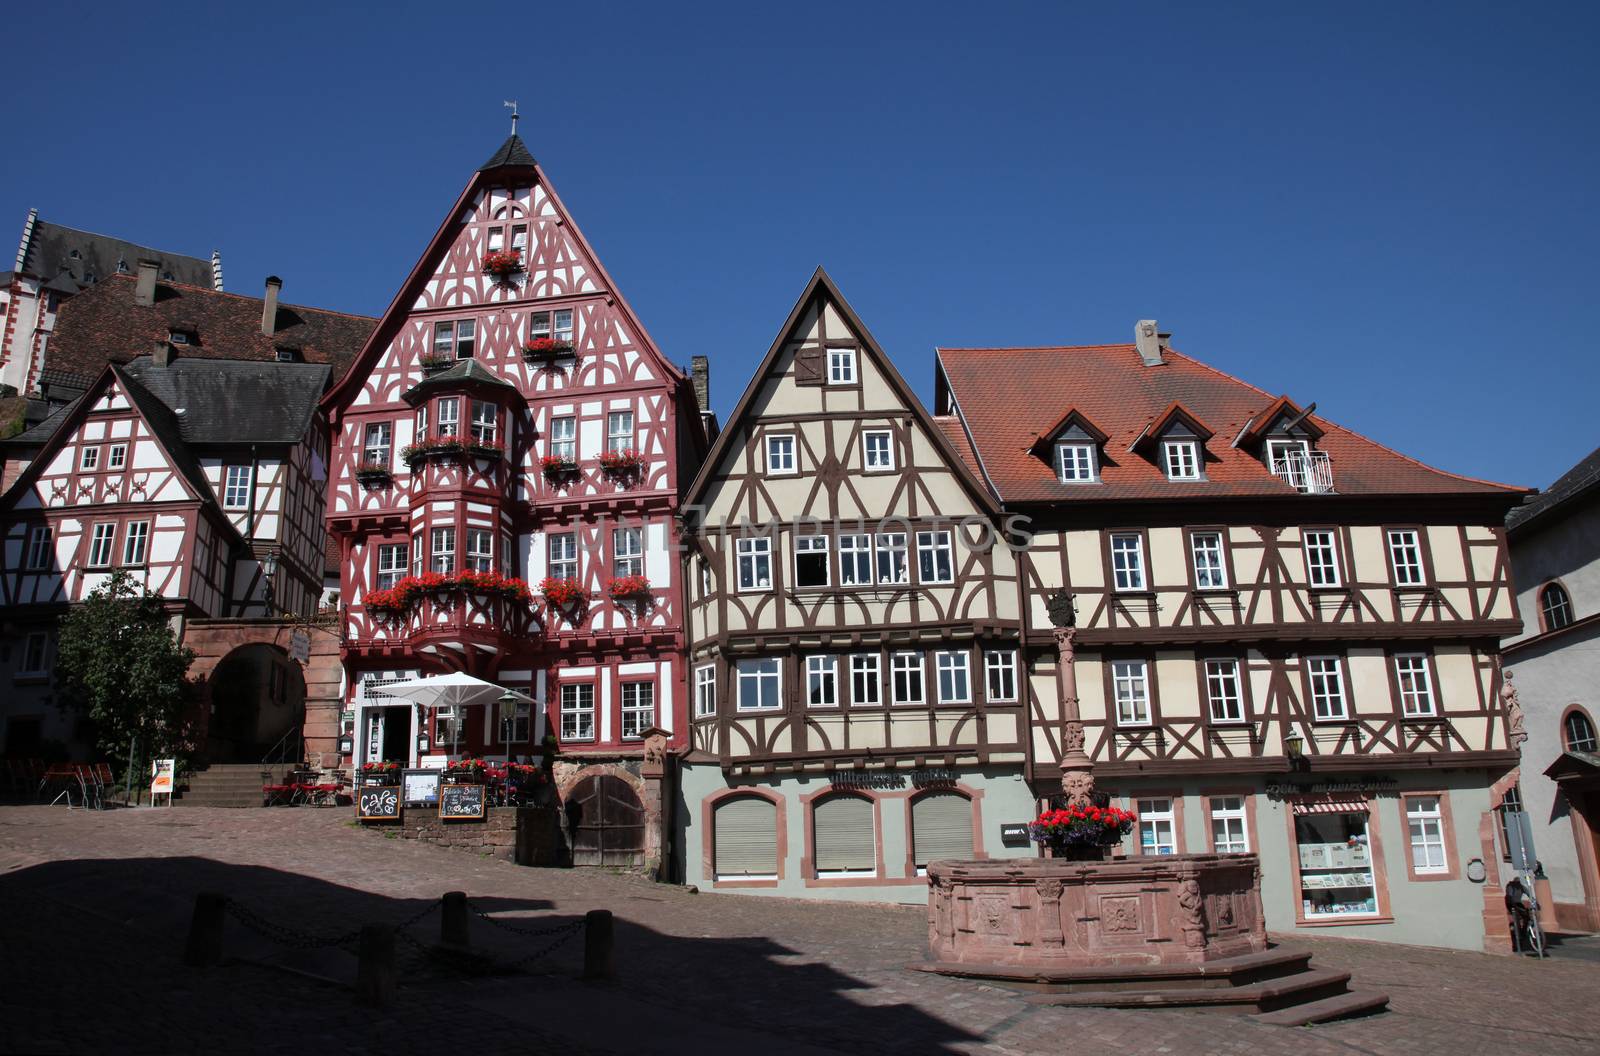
<point>843,833</point>
<point>808,366</point>
<point>746,834</point>
<point>941,827</point>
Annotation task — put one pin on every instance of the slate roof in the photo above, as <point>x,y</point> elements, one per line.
<point>228,401</point>
<point>1008,397</point>
<point>512,153</point>
<point>103,325</point>
<point>1575,483</point>
<point>464,372</point>
<point>164,423</point>
<point>49,254</point>
<point>36,435</point>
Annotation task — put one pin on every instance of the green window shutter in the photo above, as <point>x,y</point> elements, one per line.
<point>746,837</point>
<point>842,832</point>
<point>941,827</point>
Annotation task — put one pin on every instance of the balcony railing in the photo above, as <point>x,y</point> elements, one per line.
<point>1308,473</point>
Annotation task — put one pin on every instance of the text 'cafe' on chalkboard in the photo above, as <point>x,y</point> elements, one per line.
<point>461,802</point>
<point>378,803</point>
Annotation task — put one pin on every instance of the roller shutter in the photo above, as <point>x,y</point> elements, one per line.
<point>941,827</point>
<point>843,833</point>
<point>746,834</point>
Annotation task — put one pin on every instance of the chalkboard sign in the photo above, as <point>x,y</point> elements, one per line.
<point>458,802</point>
<point>420,788</point>
<point>381,803</point>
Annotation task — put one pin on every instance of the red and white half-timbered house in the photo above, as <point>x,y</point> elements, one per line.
<point>507,465</point>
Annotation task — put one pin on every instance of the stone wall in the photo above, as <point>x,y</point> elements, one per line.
<point>525,835</point>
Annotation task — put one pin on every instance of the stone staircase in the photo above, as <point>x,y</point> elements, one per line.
<point>230,784</point>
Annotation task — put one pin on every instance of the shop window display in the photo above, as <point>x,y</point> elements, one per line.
<point>1336,878</point>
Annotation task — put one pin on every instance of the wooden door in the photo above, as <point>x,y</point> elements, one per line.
<point>607,823</point>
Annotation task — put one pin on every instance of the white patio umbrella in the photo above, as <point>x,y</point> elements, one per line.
<point>455,690</point>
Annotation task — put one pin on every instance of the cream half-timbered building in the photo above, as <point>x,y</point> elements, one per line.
<point>1286,635</point>
<point>858,689</point>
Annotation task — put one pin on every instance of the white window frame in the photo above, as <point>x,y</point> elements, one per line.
<point>639,712</point>
<point>40,536</point>
<point>485,424</point>
<point>1321,546</point>
<point>103,544</point>
<point>137,535</point>
<point>466,338</point>
<point>705,691</point>
<point>578,716</point>
<point>1157,815</point>
<point>1405,557</point>
<point>1235,824</point>
<point>27,666</point>
<point>442,549</point>
<point>866,672</point>
<point>562,326</point>
<point>1325,674</point>
<point>379,451</point>
<point>1130,689</point>
<point>781,460</point>
<point>1224,687</point>
<point>1000,675</point>
<point>562,548</point>
<point>1209,560</point>
<point>822,681</point>
<point>449,417</point>
<point>887,545</point>
<point>89,459</point>
<point>479,556</point>
<point>1127,563</point>
<point>564,437</point>
<point>811,545</point>
<point>237,482</point>
<point>619,431</point>
<point>117,456</point>
<point>901,667</point>
<point>854,549</point>
<point>1415,681</point>
<point>754,557</point>
<point>877,451</point>
<point>1181,459</point>
<point>932,546</point>
<point>387,571</point>
<point>841,366</point>
<point>1419,820</point>
<point>627,552</point>
<point>957,666</point>
<point>1076,463</point>
<point>755,674</point>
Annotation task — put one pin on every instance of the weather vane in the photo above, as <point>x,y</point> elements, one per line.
<point>511,104</point>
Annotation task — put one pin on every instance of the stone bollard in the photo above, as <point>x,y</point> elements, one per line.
<point>599,935</point>
<point>453,919</point>
<point>375,969</point>
<point>204,948</point>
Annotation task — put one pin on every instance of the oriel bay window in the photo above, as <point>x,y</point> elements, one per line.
<point>1127,561</point>
<point>855,560</point>
<point>1130,688</point>
<point>485,423</point>
<point>755,563</point>
<point>759,684</point>
<point>955,677</point>
<point>811,561</point>
<point>577,711</point>
<point>905,671</point>
<point>1416,685</point>
<point>843,836</point>
<point>935,557</point>
<point>1336,876</point>
<point>638,709</point>
<point>822,681</point>
<point>480,550</point>
<point>391,565</point>
<point>866,680</point>
<point>444,550</point>
<point>449,412</point>
<point>1000,668</point>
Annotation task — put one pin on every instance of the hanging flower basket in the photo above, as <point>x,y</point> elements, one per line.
<point>502,263</point>
<point>1072,829</point>
<point>624,587</point>
<point>433,362</point>
<point>546,349</point>
<point>557,468</point>
<point>624,463</point>
<point>374,473</point>
<point>562,592</point>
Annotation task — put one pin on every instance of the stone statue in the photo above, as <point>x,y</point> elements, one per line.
<point>1079,787</point>
<point>1062,611</point>
<point>655,752</point>
<point>1517,732</point>
<point>1074,737</point>
<point>1194,913</point>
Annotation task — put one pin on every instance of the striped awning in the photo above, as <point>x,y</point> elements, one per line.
<point>1323,805</point>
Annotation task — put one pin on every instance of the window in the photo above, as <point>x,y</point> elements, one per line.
<point>418,554</point>
<point>39,551</point>
<point>450,417</point>
<point>1290,461</point>
<point>89,461</point>
<point>178,337</point>
<point>539,325</point>
<point>745,839</point>
<point>1182,458</point>
<point>1130,687</point>
<point>485,422</point>
<point>577,711</point>
<point>444,550</point>
<point>286,355</point>
<point>455,339</point>
<point>1322,558</point>
<point>1578,732</point>
<point>627,551</point>
<point>100,546</point>
<point>705,691</point>
<point>892,558</point>
<point>811,561</point>
<point>822,681</point>
<point>136,543</point>
<point>1222,691</point>
<point>1510,804</point>
<point>619,431</point>
<point>780,454</point>
<point>758,685</point>
<point>866,680</point>
<point>564,439</point>
<point>1555,607</point>
<point>1206,550</point>
<point>955,677</point>
<point>117,456</point>
<point>1127,561</point>
<point>1327,687</point>
<point>480,550</point>
<point>1075,463</point>
<point>877,450</point>
<point>906,674</point>
<point>444,339</point>
<point>843,836</point>
<point>564,555</point>
<point>941,827</point>
<point>705,577</point>
<point>563,325</point>
<point>1416,685</point>
<point>1425,825</point>
<point>1000,668</point>
<point>755,563</point>
<point>466,338</point>
<point>379,443</point>
<point>1157,831</point>
<point>935,557</point>
<point>391,565</point>
<point>422,421</point>
<point>1230,832</point>
<point>841,366</point>
<point>1405,557</point>
<point>515,729</point>
<point>35,654</point>
<point>638,709</point>
<point>855,560</point>
<point>236,488</point>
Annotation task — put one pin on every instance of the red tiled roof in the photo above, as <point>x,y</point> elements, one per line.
<point>1009,396</point>
<point>954,432</point>
<point>103,325</point>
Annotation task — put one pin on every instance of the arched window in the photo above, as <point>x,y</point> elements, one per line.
<point>745,835</point>
<point>1578,732</point>
<point>844,836</point>
<point>941,827</point>
<point>1555,606</point>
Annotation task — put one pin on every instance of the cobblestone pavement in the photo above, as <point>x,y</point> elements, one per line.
<point>96,906</point>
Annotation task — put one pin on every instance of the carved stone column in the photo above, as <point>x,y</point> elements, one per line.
<point>1077,770</point>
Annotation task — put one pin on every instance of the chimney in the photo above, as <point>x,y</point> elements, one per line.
<point>144,290</point>
<point>161,354</point>
<point>700,372</point>
<point>1150,341</point>
<point>269,307</point>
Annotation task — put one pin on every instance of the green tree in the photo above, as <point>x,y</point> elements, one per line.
<point>120,665</point>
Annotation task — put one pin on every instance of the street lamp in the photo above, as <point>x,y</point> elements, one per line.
<point>1294,747</point>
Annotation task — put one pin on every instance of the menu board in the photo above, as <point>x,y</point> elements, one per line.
<point>459,802</point>
<point>420,788</point>
<point>378,803</point>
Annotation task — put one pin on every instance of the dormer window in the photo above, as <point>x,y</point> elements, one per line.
<point>1073,447</point>
<point>1076,463</point>
<point>1182,458</point>
<point>179,337</point>
<point>287,355</point>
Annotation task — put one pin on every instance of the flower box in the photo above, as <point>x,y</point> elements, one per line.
<point>465,771</point>
<point>629,587</point>
<point>450,447</point>
<point>380,773</point>
<point>546,349</point>
<point>624,463</point>
<point>491,451</point>
<point>502,263</point>
<point>562,591</point>
<point>557,468</point>
<point>373,473</point>
<point>433,364</point>
<point>406,593</point>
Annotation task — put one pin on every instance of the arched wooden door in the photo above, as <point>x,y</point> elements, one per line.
<point>606,823</point>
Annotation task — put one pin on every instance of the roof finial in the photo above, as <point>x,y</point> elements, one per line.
<point>512,105</point>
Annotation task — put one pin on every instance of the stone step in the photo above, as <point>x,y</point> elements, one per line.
<point>1223,973</point>
<point>1313,985</point>
<point>1339,1006</point>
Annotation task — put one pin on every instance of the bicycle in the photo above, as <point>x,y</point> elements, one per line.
<point>1524,907</point>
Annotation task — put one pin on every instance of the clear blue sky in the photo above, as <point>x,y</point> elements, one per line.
<point>1388,209</point>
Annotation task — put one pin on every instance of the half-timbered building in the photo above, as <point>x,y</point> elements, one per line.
<point>511,429</point>
<point>1282,636</point>
<point>860,699</point>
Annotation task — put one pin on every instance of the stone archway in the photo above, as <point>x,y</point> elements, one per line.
<point>258,701</point>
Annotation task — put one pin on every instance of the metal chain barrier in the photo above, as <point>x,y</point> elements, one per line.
<point>529,932</point>
<point>294,938</point>
<point>567,931</point>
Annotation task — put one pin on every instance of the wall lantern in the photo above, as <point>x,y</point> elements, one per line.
<point>1294,745</point>
<point>422,742</point>
<point>347,745</point>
